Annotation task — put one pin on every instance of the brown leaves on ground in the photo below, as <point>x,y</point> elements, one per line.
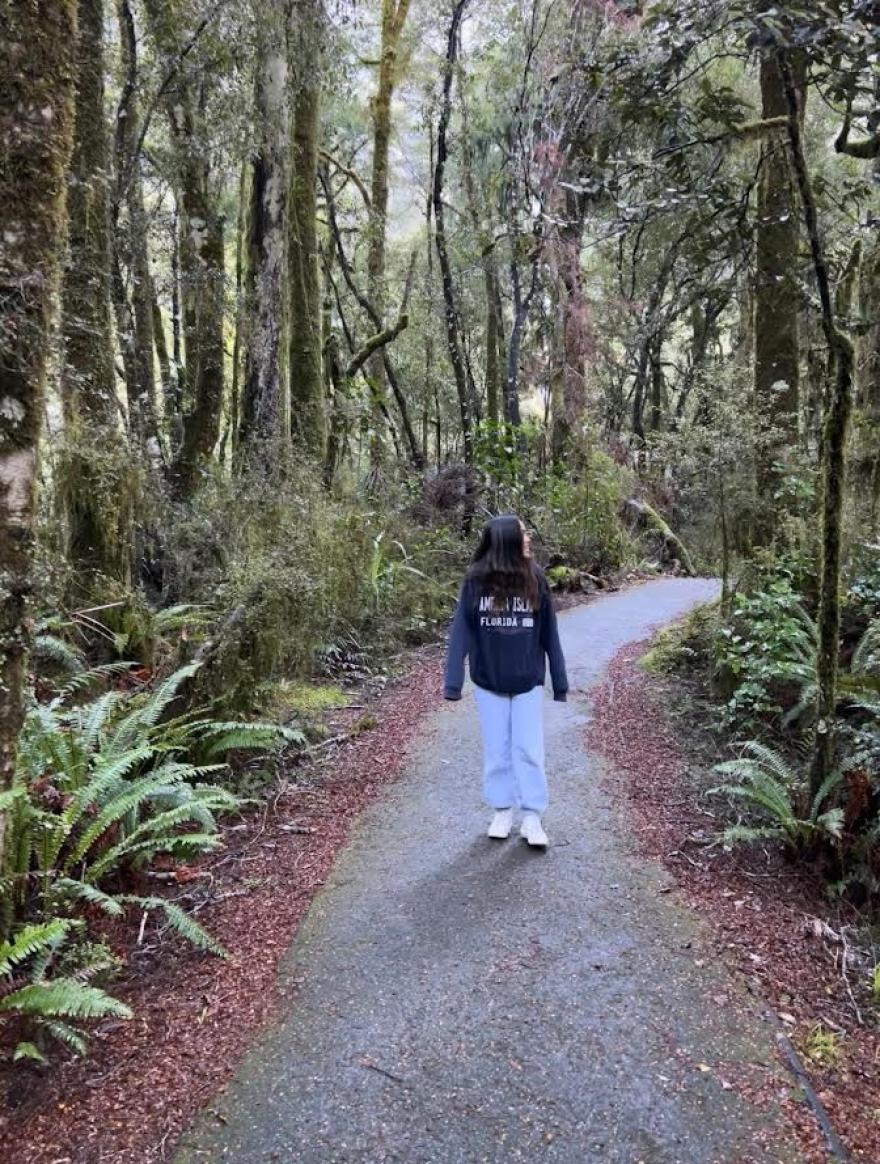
<point>768,917</point>
<point>196,1015</point>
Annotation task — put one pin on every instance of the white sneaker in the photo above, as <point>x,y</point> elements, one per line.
<point>501,824</point>
<point>531,830</point>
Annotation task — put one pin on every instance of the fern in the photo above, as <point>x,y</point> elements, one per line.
<point>82,891</point>
<point>181,921</point>
<point>30,941</point>
<point>28,1050</point>
<point>67,1034</point>
<point>63,998</point>
<point>767,783</point>
<point>57,650</point>
<point>746,834</point>
<point>101,786</point>
<point>865,656</point>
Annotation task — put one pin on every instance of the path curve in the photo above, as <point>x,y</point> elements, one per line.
<point>455,1000</point>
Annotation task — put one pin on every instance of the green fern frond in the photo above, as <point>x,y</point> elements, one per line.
<point>831,822</point>
<point>107,778</point>
<point>772,761</point>
<point>30,941</point>
<point>183,614</point>
<point>166,692</point>
<point>246,735</point>
<point>131,796</point>
<point>59,651</point>
<point>746,834</point>
<point>182,922</point>
<point>832,780</point>
<point>867,646</point>
<point>66,1034</point>
<point>95,716</point>
<point>82,891</point>
<point>185,845</point>
<point>10,797</point>
<point>762,792</point>
<point>63,998</point>
<point>29,1051</point>
<point>85,679</point>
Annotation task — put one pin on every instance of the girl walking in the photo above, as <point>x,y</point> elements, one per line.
<point>505,624</point>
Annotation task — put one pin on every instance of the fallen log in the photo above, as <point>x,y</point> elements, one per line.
<point>647,518</point>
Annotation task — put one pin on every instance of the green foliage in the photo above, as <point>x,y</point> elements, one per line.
<point>766,651</point>
<point>38,988</point>
<point>688,645</point>
<point>769,787</point>
<point>105,785</point>
<point>822,1047</point>
<point>294,575</point>
<point>101,787</point>
<point>578,517</point>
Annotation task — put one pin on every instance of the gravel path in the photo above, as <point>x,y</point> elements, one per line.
<point>457,1000</point>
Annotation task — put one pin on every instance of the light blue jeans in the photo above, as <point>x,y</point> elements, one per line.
<point>513,749</point>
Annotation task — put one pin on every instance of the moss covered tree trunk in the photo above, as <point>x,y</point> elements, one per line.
<point>201,248</point>
<point>394,14</point>
<point>463,387</point>
<point>265,412</point>
<point>92,469</point>
<point>777,298</point>
<point>37,64</point>
<point>133,295</point>
<point>307,405</point>
<point>836,424</point>
<point>567,419</point>
<point>494,356</point>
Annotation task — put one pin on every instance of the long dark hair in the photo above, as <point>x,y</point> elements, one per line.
<point>500,566</point>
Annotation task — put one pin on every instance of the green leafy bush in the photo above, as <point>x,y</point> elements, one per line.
<point>578,520</point>
<point>766,652</point>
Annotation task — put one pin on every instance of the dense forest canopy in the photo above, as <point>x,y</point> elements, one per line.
<point>295,293</point>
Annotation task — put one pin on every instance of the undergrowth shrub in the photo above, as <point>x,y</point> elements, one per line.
<point>578,519</point>
<point>105,780</point>
<point>295,576</point>
<point>765,652</point>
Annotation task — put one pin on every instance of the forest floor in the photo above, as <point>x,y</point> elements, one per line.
<point>770,921</point>
<point>449,998</point>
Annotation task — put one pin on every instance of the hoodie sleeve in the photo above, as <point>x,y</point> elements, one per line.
<point>458,646</point>
<point>553,647</point>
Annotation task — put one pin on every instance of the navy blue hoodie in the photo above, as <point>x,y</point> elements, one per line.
<point>506,646</point>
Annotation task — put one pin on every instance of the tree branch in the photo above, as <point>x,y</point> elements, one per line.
<point>349,173</point>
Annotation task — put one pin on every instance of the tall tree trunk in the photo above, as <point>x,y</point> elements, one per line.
<point>240,306</point>
<point>37,64</point>
<point>134,309</point>
<point>394,14</point>
<point>265,412</point>
<point>574,328</point>
<point>201,251</point>
<point>169,385</point>
<point>463,388</point>
<point>777,300</point>
<point>308,411</point>
<point>493,354</point>
<point>837,415</point>
<point>90,479</point>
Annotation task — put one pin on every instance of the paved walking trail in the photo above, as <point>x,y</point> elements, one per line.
<point>462,1000</point>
